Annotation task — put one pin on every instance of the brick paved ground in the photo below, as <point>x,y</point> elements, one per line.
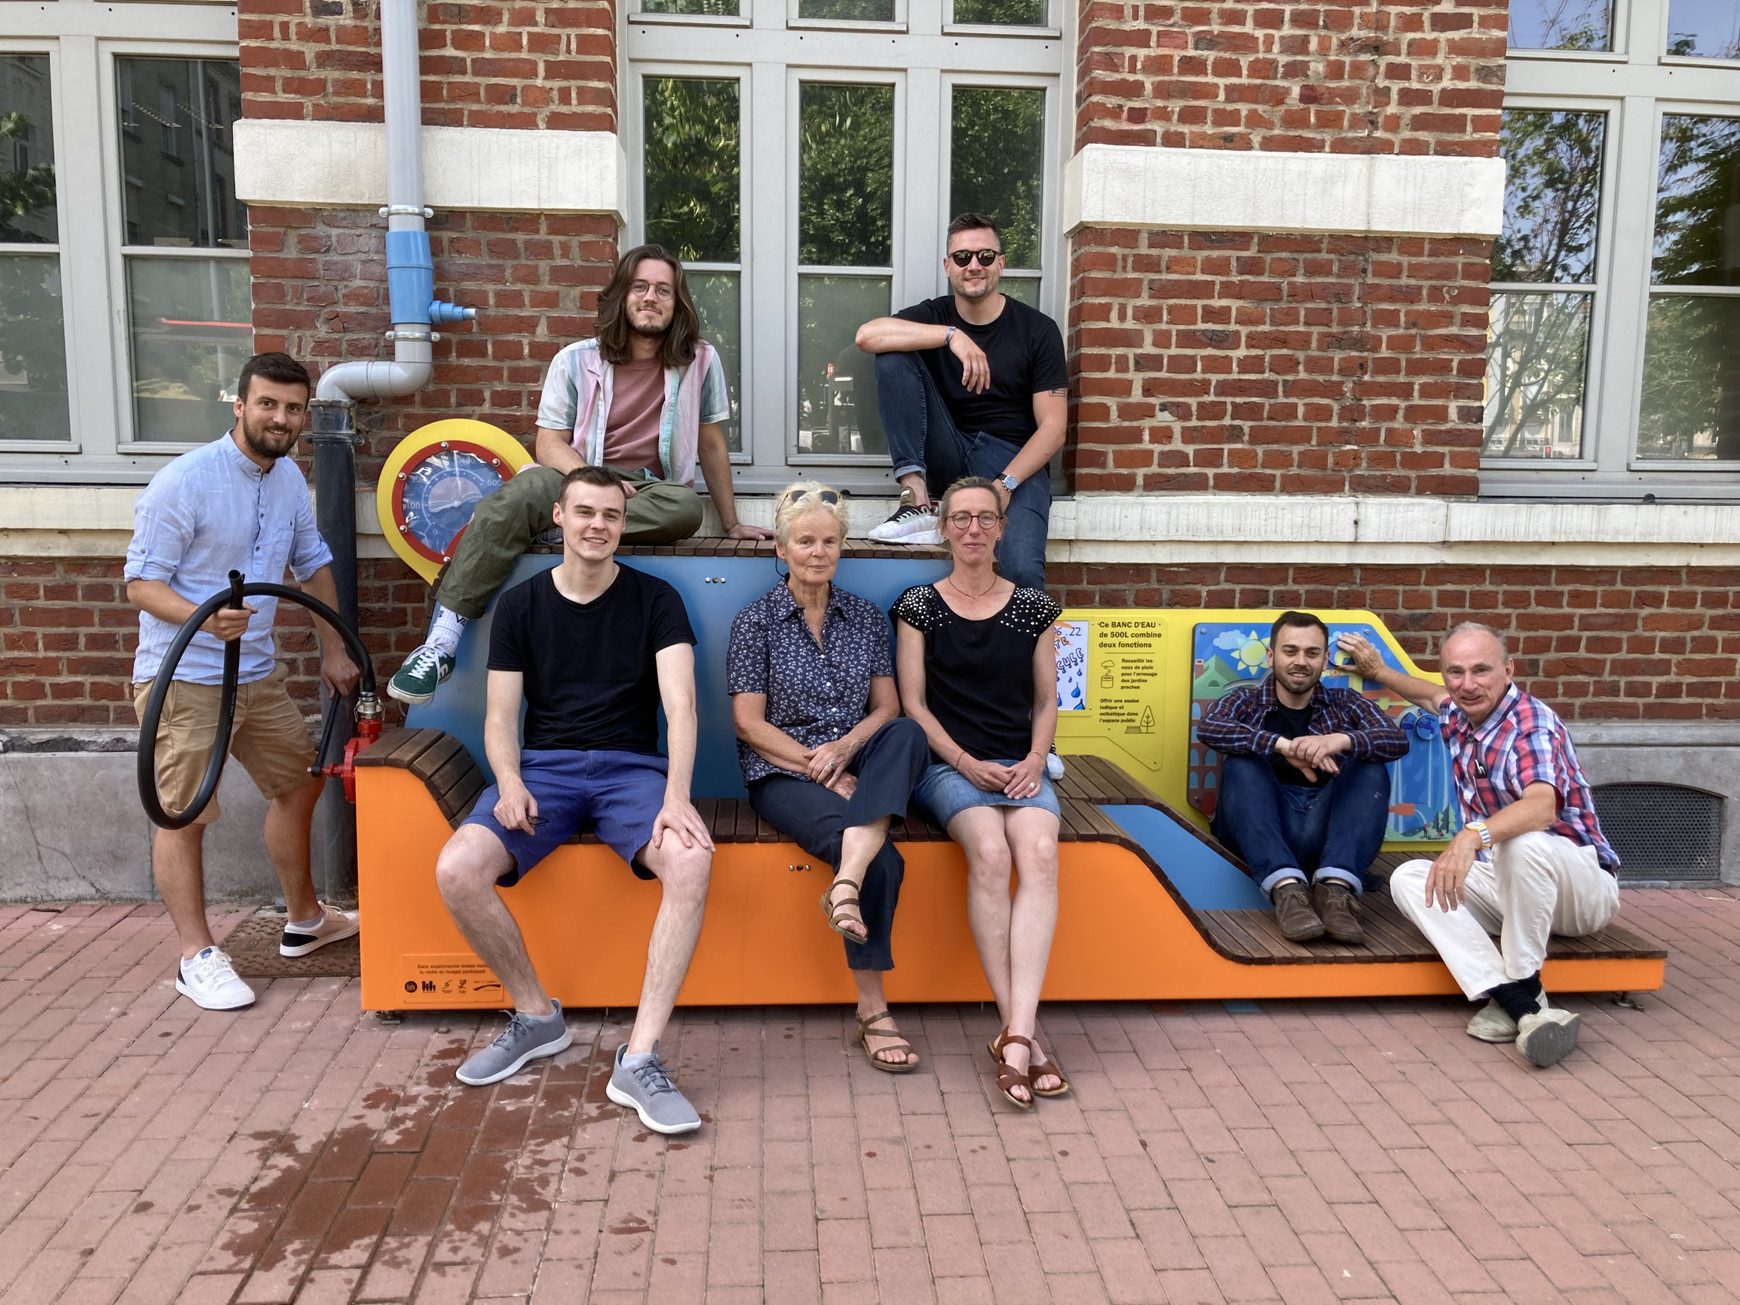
<point>1308,1152</point>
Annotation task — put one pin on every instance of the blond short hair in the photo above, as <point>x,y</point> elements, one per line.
<point>806,496</point>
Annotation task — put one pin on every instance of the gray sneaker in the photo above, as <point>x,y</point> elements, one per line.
<point>525,1038</point>
<point>1548,1036</point>
<point>647,1089</point>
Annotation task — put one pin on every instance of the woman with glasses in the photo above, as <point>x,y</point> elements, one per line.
<point>978,670</point>
<point>826,754</point>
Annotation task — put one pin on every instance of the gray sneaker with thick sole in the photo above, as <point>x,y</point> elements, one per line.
<point>1548,1036</point>
<point>646,1089</point>
<point>525,1038</point>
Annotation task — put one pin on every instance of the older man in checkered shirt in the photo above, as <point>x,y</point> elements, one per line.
<point>1529,860</point>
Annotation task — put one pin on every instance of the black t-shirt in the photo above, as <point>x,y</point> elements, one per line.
<point>1291,723</point>
<point>1025,353</point>
<point>978,675</point>
<point>591,682</point>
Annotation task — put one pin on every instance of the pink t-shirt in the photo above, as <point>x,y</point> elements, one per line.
<point>631,431</point>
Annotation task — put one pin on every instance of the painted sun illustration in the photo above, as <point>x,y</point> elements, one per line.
<point>1252,654</point>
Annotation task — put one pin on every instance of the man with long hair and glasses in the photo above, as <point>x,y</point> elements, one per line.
<point>644,398</point>
<point>972,384</point>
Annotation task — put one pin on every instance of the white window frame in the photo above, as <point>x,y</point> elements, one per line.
<point>82,40</point>
<point>924,58</point>
<point>1635,84</point>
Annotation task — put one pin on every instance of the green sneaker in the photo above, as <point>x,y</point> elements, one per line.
<point>423,670</point>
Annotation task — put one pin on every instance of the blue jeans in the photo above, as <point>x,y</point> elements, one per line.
<point>1284,831</point>
<point>922,436</point>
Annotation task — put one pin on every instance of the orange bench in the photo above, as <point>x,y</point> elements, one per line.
<point>1124,931</point>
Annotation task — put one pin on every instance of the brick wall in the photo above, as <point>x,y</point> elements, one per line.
<point>1269,363</point>
<point>319,277</point>
<point>1295,364</point>
<point>1598,643</point>
<point>1400,77</point>
<point>67,637</point>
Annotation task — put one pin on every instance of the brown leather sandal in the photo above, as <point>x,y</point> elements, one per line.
<point>836,911</point>
<point>1038,1069</point>
<point>866,1032</point>
<point>1008,1077</point>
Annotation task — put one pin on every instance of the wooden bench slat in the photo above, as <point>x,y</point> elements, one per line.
<point>437,755</point>
<point>455,804</point>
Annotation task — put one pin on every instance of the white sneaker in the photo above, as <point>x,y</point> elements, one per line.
<point>1054,765</point>
<point>209,981</point>
<point>1494,1024</point>
<point>910,524</point>
<point>334,924</point>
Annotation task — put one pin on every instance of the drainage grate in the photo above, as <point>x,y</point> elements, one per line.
<point>1662,831</point>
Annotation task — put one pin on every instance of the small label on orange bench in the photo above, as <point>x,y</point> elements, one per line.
<point>458,979</point>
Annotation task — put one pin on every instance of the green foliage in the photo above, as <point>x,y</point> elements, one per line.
<point>1001,13</point>
<point>997,163</point>
<point>846,175</point>
<point>1698,193</point>
<point>32,348</point>
<point>861,11</point>
<point>1691,379</point>
<point>24,194</point>
<point>693,167</point>
<point>720,8</point>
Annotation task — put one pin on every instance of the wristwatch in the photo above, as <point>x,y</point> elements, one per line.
<point>1008,482</point>
<point>1479,830</point>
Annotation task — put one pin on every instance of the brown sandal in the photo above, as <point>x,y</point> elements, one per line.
<point>1008,1077</point>
<point>866,1032</point>
<point>1038,1069</point>
<point>836,911</point>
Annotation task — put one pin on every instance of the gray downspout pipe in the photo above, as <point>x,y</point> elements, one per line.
<point>414,311</point>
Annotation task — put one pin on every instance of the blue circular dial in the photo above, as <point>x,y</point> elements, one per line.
<point>441,492</point>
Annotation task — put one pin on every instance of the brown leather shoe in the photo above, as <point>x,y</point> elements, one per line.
<point>1338,909</point>
<point>1299,923</point>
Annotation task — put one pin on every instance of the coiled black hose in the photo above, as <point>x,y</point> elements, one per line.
<point>214,769</point>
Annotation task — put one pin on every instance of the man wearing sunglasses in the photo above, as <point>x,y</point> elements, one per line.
<point>644,397</point>
<point>972,384</point>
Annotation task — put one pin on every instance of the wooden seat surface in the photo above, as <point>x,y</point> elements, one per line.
<point>1249,937</point>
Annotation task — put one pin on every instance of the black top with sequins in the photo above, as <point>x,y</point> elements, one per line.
<point>978,675</point>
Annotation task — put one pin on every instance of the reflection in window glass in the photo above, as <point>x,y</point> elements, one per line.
<point>722,8</point>
<point>1024,288</point>
<point>1697,237</point>
<point>1536,359</point>
<point>27,210</point>
<point>693,185</point>
<point>1704,29</point>
<point>1561,25</point>
<point>177,168</point>
<point>1001,13</point>
<point>835,396</point>
<point>190,333</point>
<point>857,11</point>
<point>1552,196</point>
<point>33,394</point>
<point>719,304</point>
<point>845,175</point>
<point>996,163</point>
<point>1691,379</point>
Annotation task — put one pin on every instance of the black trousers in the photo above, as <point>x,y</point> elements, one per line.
<point>887,767</point>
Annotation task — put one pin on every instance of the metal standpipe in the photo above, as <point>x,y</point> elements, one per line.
<point>414,313</point>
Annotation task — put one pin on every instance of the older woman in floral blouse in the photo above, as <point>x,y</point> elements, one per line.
<point>825,752</point>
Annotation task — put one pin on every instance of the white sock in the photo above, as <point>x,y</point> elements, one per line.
<point>445,629</point>
<point>305,926</point>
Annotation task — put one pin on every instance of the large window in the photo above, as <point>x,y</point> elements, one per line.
<point>1613,352</point>
<point>803,157</point>
<point>125,309</point>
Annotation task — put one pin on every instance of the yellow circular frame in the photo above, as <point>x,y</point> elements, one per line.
<point>411,450</point>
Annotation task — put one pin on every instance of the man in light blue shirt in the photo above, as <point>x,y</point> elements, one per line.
<point>236,504</point>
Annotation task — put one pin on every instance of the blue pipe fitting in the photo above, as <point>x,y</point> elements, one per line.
<point>410,275</point>
<point>441,312</point>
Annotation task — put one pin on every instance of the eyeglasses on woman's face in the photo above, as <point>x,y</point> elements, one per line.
<point>984,520</point>
<point>961,257</point>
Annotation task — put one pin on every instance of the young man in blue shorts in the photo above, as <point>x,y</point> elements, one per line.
<point>591,649</point>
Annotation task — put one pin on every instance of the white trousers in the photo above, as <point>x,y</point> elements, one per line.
<point>1535,885</point>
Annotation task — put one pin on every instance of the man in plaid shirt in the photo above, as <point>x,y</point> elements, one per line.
<point>1303,787</point>
<point>1529,860</point>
